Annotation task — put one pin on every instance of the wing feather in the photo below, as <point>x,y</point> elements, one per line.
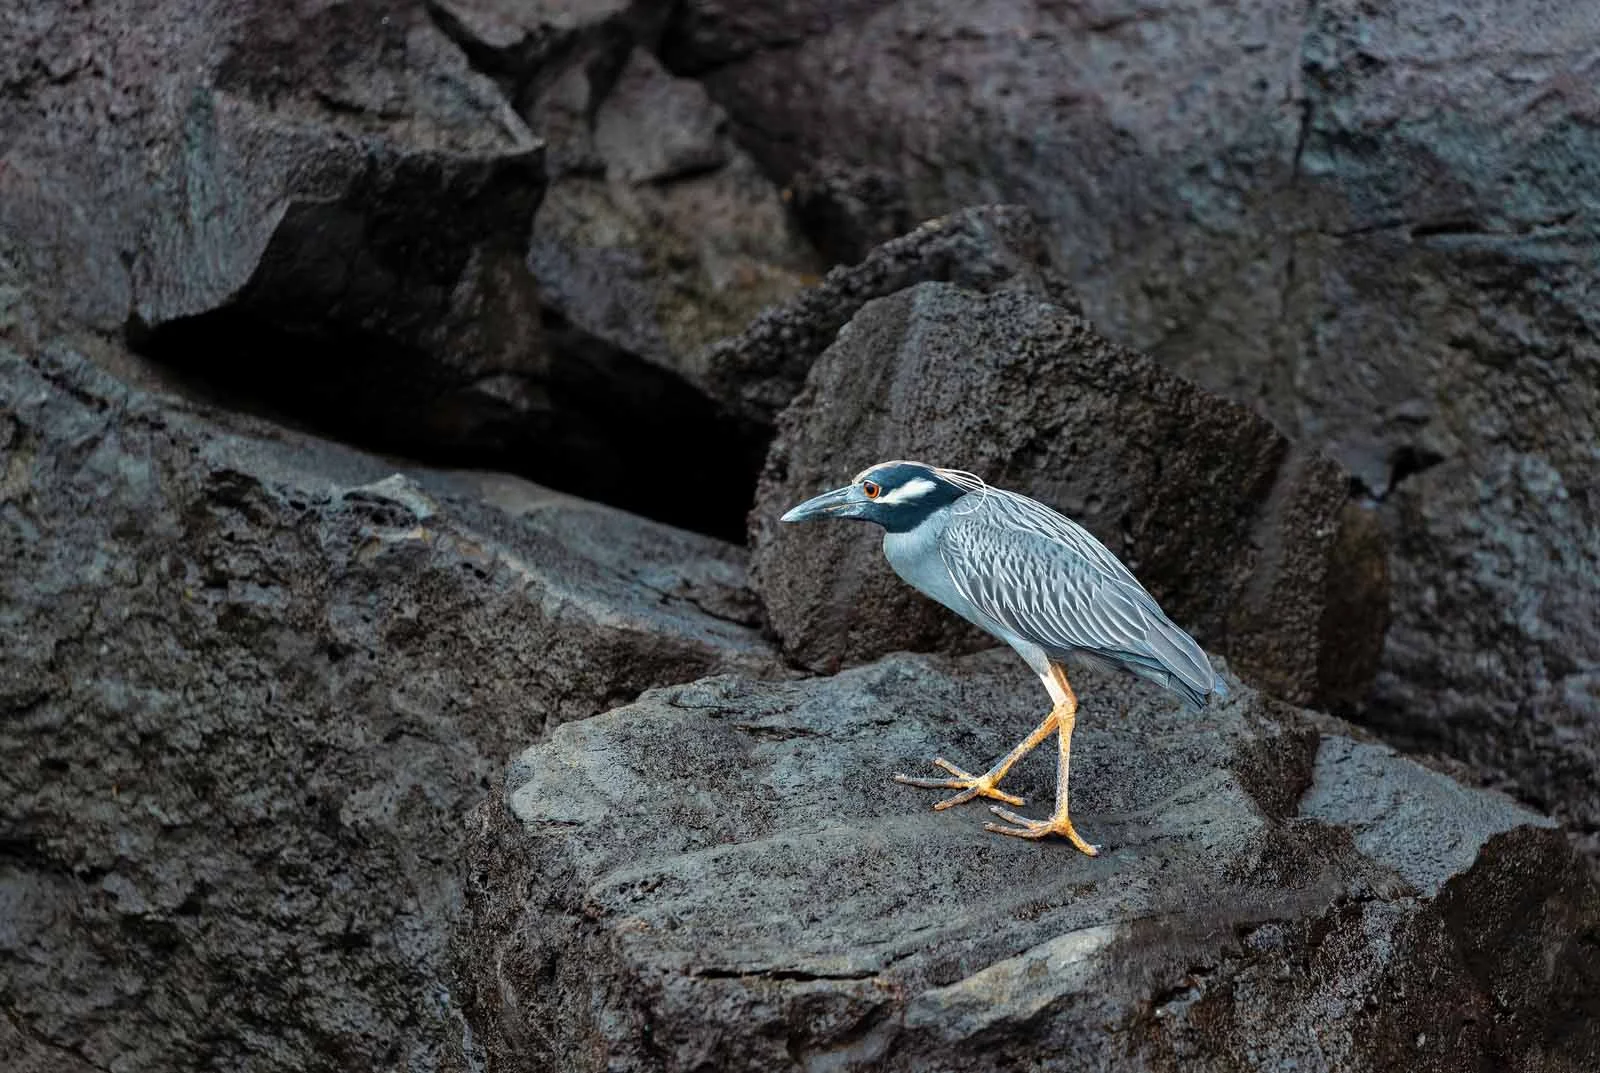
<point>1043,577</point>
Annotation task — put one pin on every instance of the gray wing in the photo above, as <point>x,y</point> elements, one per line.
<point>1044,577</point>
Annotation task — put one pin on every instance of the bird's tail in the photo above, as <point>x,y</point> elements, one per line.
<point>1183,666</point>
<point>1193,699</point>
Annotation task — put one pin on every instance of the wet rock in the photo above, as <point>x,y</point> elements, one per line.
<point>986,248</point>
<point>251,683</point>
<point>722,876</point>
<point>1375,222</point>
<point>1244,539</point>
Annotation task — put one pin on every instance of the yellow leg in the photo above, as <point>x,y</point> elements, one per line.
<point>1061,822</point>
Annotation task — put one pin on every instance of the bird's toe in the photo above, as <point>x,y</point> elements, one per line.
<point>970,785</point>
<point>1020,821</point>
<point>1036,829</point>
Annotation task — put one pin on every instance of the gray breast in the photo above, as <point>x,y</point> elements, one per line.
<point>915,556</point>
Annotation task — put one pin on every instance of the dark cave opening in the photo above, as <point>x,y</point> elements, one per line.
<point>593,421</point>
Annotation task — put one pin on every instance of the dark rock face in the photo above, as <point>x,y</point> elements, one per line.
<point>657,236</point>
<point>250,685</point>
<point>258,690</point>
<point>1243,540</point>
<point>1376,222</point>
<point>989,248</point>
<point>302,200</point>
<point>848,211</point>
<point>323,211</point>
<point>721,876</point>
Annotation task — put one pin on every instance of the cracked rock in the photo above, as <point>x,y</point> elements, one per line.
<point>1245,539</point>
<point>323,212</point>
<point>321,204</point>
<point>722,876</point>
<point>251,682</point>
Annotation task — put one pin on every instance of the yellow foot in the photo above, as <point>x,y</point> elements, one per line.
<point>970,785</point>
<point>1026,828</point>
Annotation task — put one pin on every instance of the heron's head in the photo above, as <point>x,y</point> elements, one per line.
<point>897,495</point>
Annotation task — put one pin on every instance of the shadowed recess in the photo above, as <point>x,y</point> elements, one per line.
<point>593,421</point>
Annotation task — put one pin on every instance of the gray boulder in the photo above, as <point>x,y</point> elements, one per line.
<point>250,686</point>
<point>1376,222</point>
<point>987,248</point>
<point>722,876</point>
<point>1245,539</point>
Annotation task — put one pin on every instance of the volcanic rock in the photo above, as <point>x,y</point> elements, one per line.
<point>986,248</point>
<point>722,876</point>
<point>658,236</point>
<point>251,684</point>
<point>1245,540</point>
<point>320,204</point>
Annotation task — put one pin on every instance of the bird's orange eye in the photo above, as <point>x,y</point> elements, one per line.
<point>871,489</point>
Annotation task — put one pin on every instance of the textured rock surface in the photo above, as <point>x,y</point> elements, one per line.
<point>324,211</point>
<point>1243,540</point>
<point>658,236</point>
<point>990,248</point>
<point>721,876</point>
<point>1376,222</point>
<point>250,685</point>
<point>309,199</point>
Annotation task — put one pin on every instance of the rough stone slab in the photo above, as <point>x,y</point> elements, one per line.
<point>251,682</point>
<point>1244,539</point>
<point>988,248</point>
<point>722,876</point>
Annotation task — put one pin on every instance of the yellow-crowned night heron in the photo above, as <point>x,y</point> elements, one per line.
<point>1034,579</point>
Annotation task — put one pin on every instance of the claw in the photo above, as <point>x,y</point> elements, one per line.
<point>1026,828</point>
<point>970,785</point>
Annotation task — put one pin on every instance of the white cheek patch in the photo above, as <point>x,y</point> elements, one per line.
<point>912,489</point>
